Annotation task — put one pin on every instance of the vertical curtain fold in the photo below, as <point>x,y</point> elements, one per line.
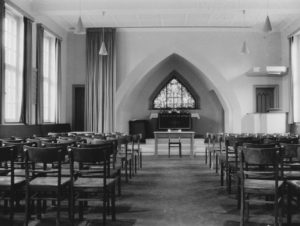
<point>100,74</point>
<point>291,84</point>
<point>2,16</point>
<point>59,80</point>
<point>27,71</point>
<point>39,76</point>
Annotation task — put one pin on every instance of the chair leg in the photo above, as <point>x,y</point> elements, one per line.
<point>58,209</point>
<point>113,200</point>
<point>126,170</point>
<point>39,208</point>
<point>130,168</point>
<point>242,210</point>
<point>11,205</point>
<point>169,150</point>
<point>104,208</point>
<point>222,173</point>
<point>27,206</point>
<point>238,192</point>
<point>205,155</point>
<point>141,165</point>
<point>180,153</point>
<point>229,180</point>
<point>209,159</point>
<point>135,163</point>
<point>217,162</point>
<point>119,183</point>
<point>289,209</point>
<point>80,210</point>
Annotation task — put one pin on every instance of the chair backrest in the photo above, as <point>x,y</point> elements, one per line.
<point>8,153</point>
<point>290,150</point>
<point>100,153</point>
<point>261,156</point>
<point>43,154</point>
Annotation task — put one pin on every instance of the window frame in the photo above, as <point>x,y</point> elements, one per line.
<point>51,79</point>
<point>18,69</point>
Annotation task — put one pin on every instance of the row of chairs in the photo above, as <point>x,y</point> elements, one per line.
<point>260,168</point>
<point>67,167</point>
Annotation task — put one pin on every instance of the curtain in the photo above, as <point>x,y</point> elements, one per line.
<point>295,76</point>
<point>58,70</point>
<point>27,71</point>
<point>100,74</point>
<point>2,15</point>
<point>291,91</point>
<point>39,77</point>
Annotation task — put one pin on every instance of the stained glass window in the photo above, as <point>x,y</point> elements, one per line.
<point>173,96</point>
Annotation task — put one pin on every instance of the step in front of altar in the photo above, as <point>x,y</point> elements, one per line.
<point>148,147</point>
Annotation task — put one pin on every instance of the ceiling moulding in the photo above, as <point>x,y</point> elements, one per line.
<point>268,71</point>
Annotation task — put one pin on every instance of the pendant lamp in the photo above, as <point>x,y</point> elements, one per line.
<point>80,30</point>
<point>245,50</point>
<point>267,25</point>
<point>103,51</point>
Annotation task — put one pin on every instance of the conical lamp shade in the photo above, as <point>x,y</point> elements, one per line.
<point>245,49</point>
<point>267,26</point>
<point>103,51</point>
<point>79,28</point>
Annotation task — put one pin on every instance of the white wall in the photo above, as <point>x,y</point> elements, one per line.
<point>216,53</point>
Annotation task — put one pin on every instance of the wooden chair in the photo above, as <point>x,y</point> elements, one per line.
<point>125,155</point>
<point>238,175</point>
<point>136,138</point>
<point>174,143</point>
<point>261,171</point>
<point>45,183</point>
<point>92,184</point>
<point>10,185</point>
<point>293,184</point>
<point>114,167</point>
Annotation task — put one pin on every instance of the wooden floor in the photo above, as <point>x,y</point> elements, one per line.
<point>167,192</point>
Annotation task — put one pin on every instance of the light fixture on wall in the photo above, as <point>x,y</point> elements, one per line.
<point>267,25</point>
<point>80,30</point>
<point>245,49</point>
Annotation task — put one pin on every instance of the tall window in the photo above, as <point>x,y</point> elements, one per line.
<point>49,79</point>
<point>174,96</point>
<point>13,79</point>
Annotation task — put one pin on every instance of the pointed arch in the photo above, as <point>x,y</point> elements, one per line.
<point>214,77</point>
<point>186,89</point>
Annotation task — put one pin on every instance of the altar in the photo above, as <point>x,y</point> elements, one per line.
<point>174,134</point>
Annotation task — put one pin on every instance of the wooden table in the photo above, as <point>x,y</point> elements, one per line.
<point>175,134</point>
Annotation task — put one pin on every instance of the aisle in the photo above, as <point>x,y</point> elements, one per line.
<point>176,192</point>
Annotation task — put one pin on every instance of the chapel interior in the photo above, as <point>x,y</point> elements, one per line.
<point>145,113</point>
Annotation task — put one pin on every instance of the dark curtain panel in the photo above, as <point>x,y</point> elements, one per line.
<point>100,73</point>
<point>27,71</point>
<point>39,77</point>
<point>59,87</point>
<point>2,15</point>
